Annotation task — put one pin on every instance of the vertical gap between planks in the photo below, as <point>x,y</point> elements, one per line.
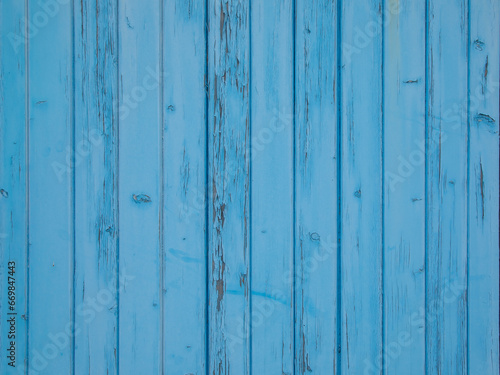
<point>468,2</point>
<point>250,226</point>
<point>73,187</point>
<point>161,189</point>
<point>117,186</point>
<point>27,158</point>
<point>339,185</point>
<point>467,186</point>
<point>382,148</point>
<point>207,174</point>
<point>294,194</point>
<point>426,131</point>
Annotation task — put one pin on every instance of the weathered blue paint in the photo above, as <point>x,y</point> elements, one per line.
<point>250,187</point>
<point>316,188</point>
<point>95,194</point>
<point>446,255</point>
<point>361,179</point>
<point>483,115</point>
<point>139,188</point>
<point>13,175</point>
<point>272,98</point>
<point>184,187</point>
<point>50,199</point>
<point>404,202</point>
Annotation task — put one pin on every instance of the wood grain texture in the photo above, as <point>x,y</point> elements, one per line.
<point>184,184</point>
<point>446,259</point>
<point>96,189</point>
<point>361,186</point>
<point>51,230</point>
<point>13,180</point>
<point>139,178</point>
<point>272,166</point>
<point>250,187</point>
<point>316,194</point>
<point>483,188</point>
<point>228,186</point>
<point>404,188</point>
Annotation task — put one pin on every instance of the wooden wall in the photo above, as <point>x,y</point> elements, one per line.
<point>247,187</point>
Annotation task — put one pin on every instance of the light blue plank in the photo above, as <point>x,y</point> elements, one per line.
<point>13,180</point>
<point>446,272</point>
<point>50,189</point>
<point>272,165</point>
<point>96,224</point>
<point>140,141</point>
<point>228,184</point>
<point>404,189</point>
<point>361,181</point>
<point>316,199</point>
<point>184,147</point>
<point>483,296</point>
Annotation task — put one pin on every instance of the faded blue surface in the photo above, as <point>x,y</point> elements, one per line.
<point>250,187</point>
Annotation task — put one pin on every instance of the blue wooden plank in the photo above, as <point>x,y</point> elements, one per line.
<point>316,199</point>
<point>50,189</point>
<point>139,171</point>
<point>228,184</point>
<point>361,185</point>
<point>483,178</point>
<point>184,147</point>
<point>404,189</point>
<point>446,263</point>
<point>96,193</point>
<point>272,166</point>
<point>13,187</point>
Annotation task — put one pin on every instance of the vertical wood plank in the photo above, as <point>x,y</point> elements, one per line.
<point>96,224</point>
<point>404,189</point>
<point>229,200</point>
<point>50,189</point>
<point>140,142</point>
<point>184,108</point>
<point>316,200</point>
<point>361,180</point>
<point>446,274</point>
<point>272,166</point>
<point>13,184</point>
<point>483,119</point>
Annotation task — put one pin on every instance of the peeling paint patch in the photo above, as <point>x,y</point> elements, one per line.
<point>478,45</point>
<point>141,198</point>
<point>314,236</point>
<point>487,120</point>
